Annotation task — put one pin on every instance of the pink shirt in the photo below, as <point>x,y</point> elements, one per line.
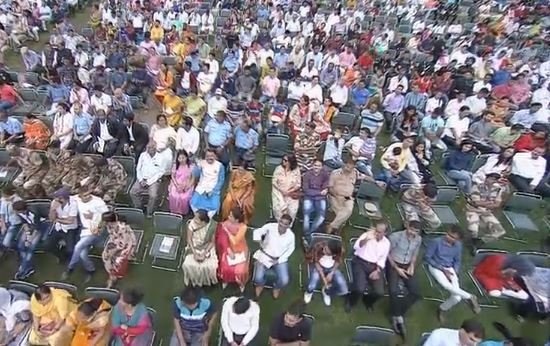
<point>270,86</point>
<point>347,60</point>
<point>373,251</point>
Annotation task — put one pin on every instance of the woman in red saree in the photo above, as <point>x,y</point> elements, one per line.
<point>232,250</point>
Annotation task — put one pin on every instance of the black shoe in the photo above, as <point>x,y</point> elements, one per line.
<point>347,305</point>
<point>26,274</point>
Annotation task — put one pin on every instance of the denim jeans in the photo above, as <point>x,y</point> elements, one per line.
<point>333,163</point>
<point>11,235</point>
<point>26,247</point>
<point>81,251</point>
<point>281,269</point>
<point>338,285</point>
<point>191,339</point>
<point>463,179</point>
<point>364,167</point>
<point>5,105</point>
<point>319,207</point>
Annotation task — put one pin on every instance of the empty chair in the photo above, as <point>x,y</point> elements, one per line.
<point>134,217</point>
<point>276,146</point>
<point>368,198</point>
<point>516,211</point>
<point>539,259</point>
<point>344,120</point>
<point>371,335</point>
<point>167,239</point>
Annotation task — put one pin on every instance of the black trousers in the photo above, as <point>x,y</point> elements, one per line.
<point>399,305</point>
<point>55,239</point>
<point>238,339</point>
<point>361,270</point>
<point>524,185</point>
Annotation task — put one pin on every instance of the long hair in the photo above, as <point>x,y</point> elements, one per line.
<point>505,160</point>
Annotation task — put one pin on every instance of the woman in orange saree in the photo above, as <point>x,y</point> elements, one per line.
<point>164,82</point>
<point>242,188</point>
<point>37,134</point>
<point>92,323</point>
<point>232,250</point>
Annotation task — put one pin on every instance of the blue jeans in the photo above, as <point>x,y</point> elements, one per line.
<point>26,247</point>
<point>364,167</point>
<point>81,251</point>
<point>5,105</point>
<point>11,235</point>
<point>281,269</point>
<point>394,182</point>
<point>338,286</point>
<point>191,339</point>
<point>266,99</point>
<point>463,179</point>
<point>333,163</point>
<point>310,206</point>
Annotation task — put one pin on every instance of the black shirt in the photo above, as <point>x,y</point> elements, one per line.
<point>283,333</point>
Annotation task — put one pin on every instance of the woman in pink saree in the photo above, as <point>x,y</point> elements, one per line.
<point>181,185</point>
<point>153,62</point>
<point>232,250</point>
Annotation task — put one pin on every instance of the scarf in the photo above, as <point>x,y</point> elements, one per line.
<point>9,307</point>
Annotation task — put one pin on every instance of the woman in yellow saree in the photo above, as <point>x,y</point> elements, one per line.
<point>50,308</point>
<point>172,107</point>
<point>241,191</point>
<point>91,322</point>
<point>165,80</point>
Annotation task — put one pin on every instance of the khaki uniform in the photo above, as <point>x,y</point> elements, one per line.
<point>476,215</point>
<point>59,165</point>
<point>340,198</point>
<point>80,168</point>
<point>417,207</point>
<point>33,168</point>
<point>111,181</point>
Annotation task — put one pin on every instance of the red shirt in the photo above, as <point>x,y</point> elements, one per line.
<point>8,94</point>
<point>365,61</point>
<point>488,273</point>
<point>528,142</point>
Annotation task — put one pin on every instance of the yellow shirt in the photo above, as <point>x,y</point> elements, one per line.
<point>157,33</point>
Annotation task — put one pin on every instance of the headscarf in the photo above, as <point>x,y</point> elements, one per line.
<point>10,307</point>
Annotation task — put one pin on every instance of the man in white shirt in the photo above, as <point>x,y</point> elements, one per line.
<point>240,321</point>
<point>216,103</point>
<point>188,137</point>
<point>456,127</point>
<point>277,243</point>
<point>528,172</point>
<point>371,250</point>
<point>339,93</point>
<point>471,332</point>
<point>152,166</point>
<point>295,89</point>
<point>478,103</point>
<point>63,215</point>
<point>100,101</point>
<point>454,105</point>
<point>90,211</point>
<point>542,96</point>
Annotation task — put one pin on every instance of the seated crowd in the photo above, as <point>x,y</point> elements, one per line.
<point>335,85</point>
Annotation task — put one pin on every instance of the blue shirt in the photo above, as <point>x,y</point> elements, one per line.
<point>11,126</point>
<point>58,93</point>
<point>195,63</point>
<point>82,124</point>
<point>231,63</point>
<point>359,97</point>
<point>195,320</point>
<point>118,78</point>
<point>440,254</point>
<point>246,140</point>
<point>500,77</point>
<point>218,133</point>
<point>280,59</point>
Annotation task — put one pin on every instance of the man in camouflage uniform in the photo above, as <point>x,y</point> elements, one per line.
<point>33,168</point>
<point>82,171</point>
<point>416,202</point>
<point>59,165</point>
<point>480,203</point>
<point>112,179</point>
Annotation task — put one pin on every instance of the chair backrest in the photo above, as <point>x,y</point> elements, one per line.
<point>480,161</point>
<point>108,294</point>
<point>344,119</point>
<point>4,157</point>
<point>276,145</point>
<point>28,94</point>
<point>40,207</point>
<point>522,201</point>
<point>370,190</point>
<point>446,194</point>
<point>423,338</point>
<point>539,259</point>
<point>319,237</point>
<point>62,285</point>
<point>22,286</point>
<point>372,335</point>
<point>482,253</point>
<point>167,223</point>
<point>134,216</point>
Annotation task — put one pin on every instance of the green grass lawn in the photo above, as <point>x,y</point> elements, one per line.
<point>333,327</point>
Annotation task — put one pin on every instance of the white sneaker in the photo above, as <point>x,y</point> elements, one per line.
<point>326,298</point>
<point>307,297</point>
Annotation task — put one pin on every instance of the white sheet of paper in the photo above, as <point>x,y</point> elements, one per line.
<point>239,257</point>
<point>166,244</point>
